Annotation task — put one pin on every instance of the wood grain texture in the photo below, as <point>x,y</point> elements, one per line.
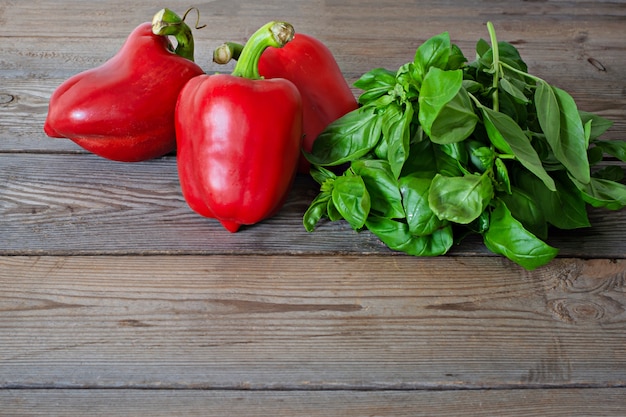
<point>265,322</point>
<point>201,403</point>
<point>83,204</point>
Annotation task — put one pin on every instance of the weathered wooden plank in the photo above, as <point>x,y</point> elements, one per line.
<point>285,322</point>
<point>57,204</point>
<point>558,45</point>
<point>190,403</point>
<point>110,17</point>
<point>83,204</point>
<point>48,57</point>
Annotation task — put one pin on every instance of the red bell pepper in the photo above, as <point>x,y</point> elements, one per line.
<point>124,109</point>
<point>239,137</point>
<point>311,66</point>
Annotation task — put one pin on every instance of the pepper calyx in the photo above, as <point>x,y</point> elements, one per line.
<point>167,23</point>
<point>273,34</point>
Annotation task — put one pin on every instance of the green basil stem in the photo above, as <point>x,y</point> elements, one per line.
<point>168,23</point>
<point>520,72</point>
<point>476,101</point>
<point>274,34</point>
<point>226,52</point>
<point>496,65</point>
<point>479,105</point>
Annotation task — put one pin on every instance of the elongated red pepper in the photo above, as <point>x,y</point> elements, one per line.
<point>124,109</point>
<point>239,137</point>
<point>311,66</point>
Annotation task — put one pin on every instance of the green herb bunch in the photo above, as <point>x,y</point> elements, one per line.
<point>443,148</point>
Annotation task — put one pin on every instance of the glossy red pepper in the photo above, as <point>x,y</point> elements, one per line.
<point>311,66</point>
<point>124,109</point>
<point>239,137</point>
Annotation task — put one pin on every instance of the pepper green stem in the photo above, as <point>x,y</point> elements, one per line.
<point>226,52</point>
<point>168,23</point>
<point>274,34</point>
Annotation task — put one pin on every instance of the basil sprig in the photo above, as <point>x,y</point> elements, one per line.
<point>444,147</point>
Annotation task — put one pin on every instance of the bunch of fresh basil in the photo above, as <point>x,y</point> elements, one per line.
<point>444,147</point>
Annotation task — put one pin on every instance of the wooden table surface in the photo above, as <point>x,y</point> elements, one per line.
<point>116,299</point>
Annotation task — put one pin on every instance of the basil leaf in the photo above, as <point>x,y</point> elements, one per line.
<point>460,199</point>
<point>456,60</point>
<point>548,112</point>
<point>502,175</point>
<point>378,78</point>
<point>438,89</point>
<point>420,218</point>
<point>382,187</point>
<point>616,148</point>
<point>501,128</point>
<point>315,211</point>
<point>427,159</point>
<point>495,137</point>
<point>482,157</point>
<point>447,161</point>
<point>480,225</point>
<point>563,208</point>
<point>567,137</point>
<point>382,149</point>
<point>396,128</point>
<point>376,83</point>
<point>506,236</point>
<point>599,124</point>
<point>396,236</point>
<point>482,47</point>
<point>509,88</point>
<point>455,121</point>
<point>332,212</point>
<point>434,53</point>
<point>587,136</point>
<point>603,193</point>
<point>347,138</point>
<point>407,87</point>
<point>595,155</point>
<point>351,199</point>
<point>456,151</point>
<point>472,87</point>
<point>421,161</point>
<point>524,208</point>
<point>611,172</point>
<point>574,138</point>
<point>511,56</point>
<point>321,175</point>
<point>515,110</point>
